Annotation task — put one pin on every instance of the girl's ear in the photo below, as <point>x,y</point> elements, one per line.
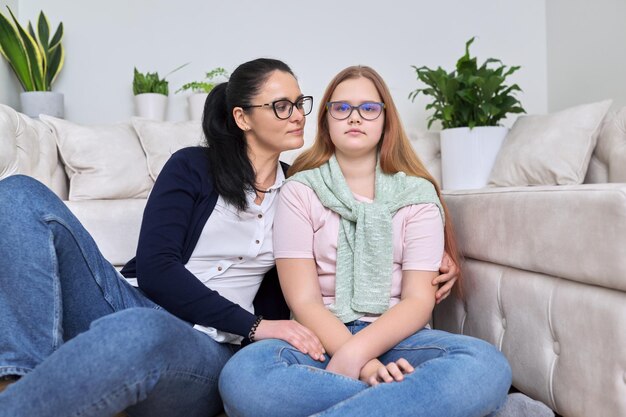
<point>241,118</point>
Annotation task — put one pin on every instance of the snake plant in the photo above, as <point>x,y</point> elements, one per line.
<point>35,57</point>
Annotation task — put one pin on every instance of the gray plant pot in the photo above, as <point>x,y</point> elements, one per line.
<point>35,103</point>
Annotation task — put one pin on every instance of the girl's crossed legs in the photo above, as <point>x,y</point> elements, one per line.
<point>454,375</point>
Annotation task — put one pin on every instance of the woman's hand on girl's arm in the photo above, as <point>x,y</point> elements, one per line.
<point>375,372</point>
<point>293,333</point>
<point>449,274</point>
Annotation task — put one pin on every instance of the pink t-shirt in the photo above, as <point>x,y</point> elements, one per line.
<point>304,228</point>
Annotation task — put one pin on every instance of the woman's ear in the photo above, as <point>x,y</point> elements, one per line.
<point>241,118</point>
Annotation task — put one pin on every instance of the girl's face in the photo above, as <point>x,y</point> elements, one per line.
<point>355,135</point>
<point>264,130</point>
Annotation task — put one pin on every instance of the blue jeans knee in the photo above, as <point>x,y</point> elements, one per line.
<point>18,190</point>
<point>144,332</point>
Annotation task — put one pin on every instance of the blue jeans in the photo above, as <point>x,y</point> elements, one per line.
<point>454,376</point>
<point>85,341</point>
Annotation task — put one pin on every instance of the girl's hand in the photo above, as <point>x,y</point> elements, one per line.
<point>375,372</point>
<point>449,274</point>
<point>293,333</point>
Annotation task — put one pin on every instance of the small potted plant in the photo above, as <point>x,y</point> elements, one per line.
<point>470,102</point>
<point>36,58</point>
<point>200,90</point>
<point>151,93</point>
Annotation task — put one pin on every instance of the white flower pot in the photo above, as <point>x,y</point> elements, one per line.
<point>34,103</point>
<point>196,102</point>
<point>151,105</point>
<point>467,155</point>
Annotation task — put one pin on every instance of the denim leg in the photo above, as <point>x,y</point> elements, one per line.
<point>53,280</point>
<point>454,375</point>
<point>141,358</point>
<point>271,378</point>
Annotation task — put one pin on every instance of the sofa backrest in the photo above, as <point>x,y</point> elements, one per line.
<point>112,161</point>
<point>607,164</point>
<point>427,147</point>
<point>28,146</point>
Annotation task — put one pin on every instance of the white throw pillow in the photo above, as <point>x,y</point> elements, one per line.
<point>552,149</point>
<point>161,139</point>
<point>610,152</point>
<point>427,146</point>
<point>102,162</point>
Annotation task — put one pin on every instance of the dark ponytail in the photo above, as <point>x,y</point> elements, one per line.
<point>230,165</point>
<point>228,152</point>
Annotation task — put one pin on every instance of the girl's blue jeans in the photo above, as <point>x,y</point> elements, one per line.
<point>85,342</point>
<point>454,375</point>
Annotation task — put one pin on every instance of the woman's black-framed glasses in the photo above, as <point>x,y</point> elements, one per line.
<point>340,110</point>
<point>283,108</point>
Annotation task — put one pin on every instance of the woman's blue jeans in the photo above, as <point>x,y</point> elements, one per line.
<point>454,375</point>
<point>85,342</point>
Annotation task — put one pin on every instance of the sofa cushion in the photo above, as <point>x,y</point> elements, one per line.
<point>101,162</point>
<point>428,149</point>
<point>609,156</point>
<point>552,149</point>
<point>160,140</point>
<point>113,224</point>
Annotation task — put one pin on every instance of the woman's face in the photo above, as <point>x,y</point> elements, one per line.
<point>263,129</point>
<point>356,136</point>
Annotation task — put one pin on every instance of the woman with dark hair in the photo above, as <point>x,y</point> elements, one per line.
<point>81,341</point>
<point>359,235</point>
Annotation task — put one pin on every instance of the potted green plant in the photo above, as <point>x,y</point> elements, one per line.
<point>36,59</point>
<point>151,92</point>
<point>470,103</point>
<point>200,90</point>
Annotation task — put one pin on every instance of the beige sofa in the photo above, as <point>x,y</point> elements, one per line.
<point>545,267</point>
<point>545,279</point>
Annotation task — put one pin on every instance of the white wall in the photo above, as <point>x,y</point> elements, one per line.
<point>9,86</point>
<point>586,43</point>
<point>105,39</point>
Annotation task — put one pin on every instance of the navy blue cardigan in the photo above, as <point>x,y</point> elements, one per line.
<point>178,207</point>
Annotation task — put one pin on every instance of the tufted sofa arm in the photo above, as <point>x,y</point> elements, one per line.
<point>27,146</point>
<point>574,232</point>
<point>545,277</point>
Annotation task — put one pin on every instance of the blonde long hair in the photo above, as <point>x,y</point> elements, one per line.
<point>395,150</point>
